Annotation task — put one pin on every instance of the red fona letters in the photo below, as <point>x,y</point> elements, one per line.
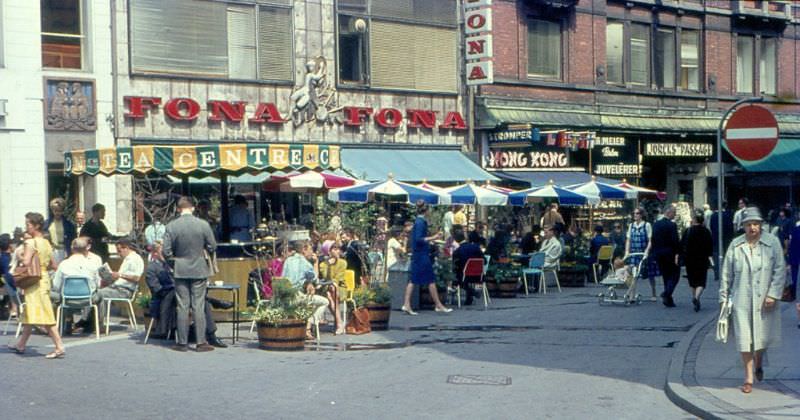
<point>187,109</point>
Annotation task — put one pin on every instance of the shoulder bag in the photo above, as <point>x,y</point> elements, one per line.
<point>26,276</point>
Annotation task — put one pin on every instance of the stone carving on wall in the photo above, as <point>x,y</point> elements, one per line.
<point>316,99</point>
<point>70,105</point>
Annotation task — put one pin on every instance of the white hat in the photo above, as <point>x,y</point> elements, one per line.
<point>751,214</point>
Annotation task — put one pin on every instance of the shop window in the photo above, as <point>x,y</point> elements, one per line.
<point>544,49</point>
<point>63,34</point>
<point>690,60</point>
<point>614,55</point>
<point>665,58</point>
<point>745,50</point>
<point>398,44</point>
<point>234,40</point>
<point>767,68</point>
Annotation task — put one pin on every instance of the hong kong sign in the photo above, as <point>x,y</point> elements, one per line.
<point>502,159</point>
<point>188,109</point>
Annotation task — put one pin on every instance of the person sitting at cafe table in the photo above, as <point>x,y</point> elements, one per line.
<point>78,264</point>
<point>599,240</point>
<point>332,269</point>
<point>551,246</point>
<point>301,270</point>
<point>240,220</point>
<point>464,252</point>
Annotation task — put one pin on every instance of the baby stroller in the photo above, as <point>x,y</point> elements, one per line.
<point>615,284</point>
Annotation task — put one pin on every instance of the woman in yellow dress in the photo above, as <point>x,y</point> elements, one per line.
<point>38,307</point>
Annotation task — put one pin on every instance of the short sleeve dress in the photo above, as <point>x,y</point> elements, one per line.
<point>421,263</point>
<point>38,307</point>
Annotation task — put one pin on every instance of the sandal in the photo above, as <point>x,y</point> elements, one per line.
<point>15,349</point>
<point>57,354</point>
<point>747,387</point>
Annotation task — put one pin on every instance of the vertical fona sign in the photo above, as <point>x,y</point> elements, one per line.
<point>478,39</point>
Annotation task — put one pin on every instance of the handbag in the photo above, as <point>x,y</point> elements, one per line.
<point>359,323</point>
<point>724,321</point>
<point>26,276</point>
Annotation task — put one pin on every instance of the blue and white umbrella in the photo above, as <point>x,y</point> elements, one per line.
<point>603,191</point>
<point>474,194</point>
<point>551,193</point>
<point>389,190</point>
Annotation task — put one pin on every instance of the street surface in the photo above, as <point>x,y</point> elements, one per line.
<point>544,356</point>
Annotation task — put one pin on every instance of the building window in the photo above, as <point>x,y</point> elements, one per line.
<point>63,34</point>
<point>664,73</point>
<point>234,40</point>
<point>544,48</point>
<point>614,55</point>
<point>409,44</point>
<point>745,50</point>
<point>767,67</point>
<point>690,60</point>
<point>640,54</point>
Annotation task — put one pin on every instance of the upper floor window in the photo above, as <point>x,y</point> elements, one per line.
<point>745,66</point>
<point>628,54</point>
<point>752,50</point>
<point>408,44</point>
<point>767,66</point>
<point>690,60</point>
<point>216,39</point>
<point>63,34</point>
<point>544,49</point>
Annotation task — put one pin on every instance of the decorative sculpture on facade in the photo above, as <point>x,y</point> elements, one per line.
<point>70,106</point>
<point>317,99</point>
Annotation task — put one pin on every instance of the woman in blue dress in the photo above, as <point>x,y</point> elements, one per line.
<point>421,268</point>
<point>640,234</point>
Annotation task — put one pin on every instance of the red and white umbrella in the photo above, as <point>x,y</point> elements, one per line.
<point>642,190</point>
<point>305,181</point>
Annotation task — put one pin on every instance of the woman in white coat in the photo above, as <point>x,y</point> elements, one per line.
<point>753,276</point>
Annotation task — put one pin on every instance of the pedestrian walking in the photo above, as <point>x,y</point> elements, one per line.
<point>696,250</point>
<point>665,251</point>
<point>753,276</point>
<point>38,307</point>
<point>638,240</point>
<point>737,217</point>
<point>421,261</point>
<point>188,241</point>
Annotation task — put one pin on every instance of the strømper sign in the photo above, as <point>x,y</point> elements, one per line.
<point>187,109</point>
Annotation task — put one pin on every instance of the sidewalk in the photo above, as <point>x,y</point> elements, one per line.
<point>705,376</point>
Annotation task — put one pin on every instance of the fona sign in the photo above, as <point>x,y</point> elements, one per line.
<point>187,109</point>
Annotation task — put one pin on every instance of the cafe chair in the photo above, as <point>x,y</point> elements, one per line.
<point>150,328</point>
<point>346,295</point>
<point>17,317</point>
<point>604,256</point>
<point>131,314</point>
<point>486,260</point>
<point>76,294</point>
<point>535,268</point>
<point>475,267</point>
<point>260,301</point>
<point>543,278</point>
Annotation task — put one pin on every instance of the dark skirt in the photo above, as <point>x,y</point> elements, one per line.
<point>421,269</point>
<point>697,274</point>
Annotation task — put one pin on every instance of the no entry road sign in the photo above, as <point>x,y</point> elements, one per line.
<point>751,133</point>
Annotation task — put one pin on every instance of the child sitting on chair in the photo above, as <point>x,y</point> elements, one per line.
<point>622,272</point>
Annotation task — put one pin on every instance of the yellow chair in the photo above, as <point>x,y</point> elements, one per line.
<point>604,256</point>
<point>346,294</point>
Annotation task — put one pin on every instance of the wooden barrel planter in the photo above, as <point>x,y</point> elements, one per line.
<point>507,289</point>
<point>379,316</point>
<point>285,336</point>
<point>571,276</point>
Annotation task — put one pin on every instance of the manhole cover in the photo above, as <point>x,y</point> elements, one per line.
<point>478,380</point>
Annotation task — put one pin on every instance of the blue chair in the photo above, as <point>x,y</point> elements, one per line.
<point>535,268</point>
<point>76,294</point>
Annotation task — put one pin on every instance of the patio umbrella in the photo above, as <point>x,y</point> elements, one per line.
<point>549,193</point>
<point>641,190</point>
<point>304,181</point>
<point>473,194</point>
<point>501,190</point>
<point>603,191</point>
<point>389,190</point>
<point>430,187</point>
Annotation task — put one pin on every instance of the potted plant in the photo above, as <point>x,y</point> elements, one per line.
<point>142,308</point>
<point>282,323</point>
<point>379,304</point>
<point>502,280</point>
<point>572,270</point>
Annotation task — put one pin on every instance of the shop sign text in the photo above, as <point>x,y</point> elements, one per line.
<point>187,109</point>
<point>679,149</point>
<point>524,159</point>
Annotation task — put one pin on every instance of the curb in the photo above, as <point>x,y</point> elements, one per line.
<point>676,388</point>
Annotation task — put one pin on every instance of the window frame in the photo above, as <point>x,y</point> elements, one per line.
<point>753,65</point>
<point>369,17</point>
<point>84,40</point>
<point>559,77</point>
<point>758,51</point>
<point>255,4</point>
<point>679,57</point>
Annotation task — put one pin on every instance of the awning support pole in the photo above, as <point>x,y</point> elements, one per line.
<point>185,185</point>
<point>223,204</point>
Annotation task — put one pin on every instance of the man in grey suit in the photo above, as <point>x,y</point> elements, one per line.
<point>186,241</point>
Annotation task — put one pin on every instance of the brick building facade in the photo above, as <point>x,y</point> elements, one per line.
<point>650,77</point>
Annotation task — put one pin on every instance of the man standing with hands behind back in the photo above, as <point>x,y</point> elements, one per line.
<point>186,241</point>
<point>665,248</point>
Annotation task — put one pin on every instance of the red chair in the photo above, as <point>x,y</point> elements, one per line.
<point>474,268</point>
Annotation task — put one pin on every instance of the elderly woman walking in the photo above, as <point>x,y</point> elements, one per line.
<point>753,276</point>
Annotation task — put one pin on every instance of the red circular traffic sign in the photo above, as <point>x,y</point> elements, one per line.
<point>751,133</point>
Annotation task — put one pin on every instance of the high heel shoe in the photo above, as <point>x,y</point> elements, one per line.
<point>408,310</point>
<point>444,310</point>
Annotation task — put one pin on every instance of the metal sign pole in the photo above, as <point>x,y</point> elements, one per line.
<point>721,175</point>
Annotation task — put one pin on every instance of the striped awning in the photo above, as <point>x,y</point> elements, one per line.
<point>201,159</point>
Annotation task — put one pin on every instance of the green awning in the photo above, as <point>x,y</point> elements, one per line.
<point>785,158</point>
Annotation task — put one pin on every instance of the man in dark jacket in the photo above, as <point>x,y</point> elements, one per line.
<point>665,249</point>
<point>461,255</point>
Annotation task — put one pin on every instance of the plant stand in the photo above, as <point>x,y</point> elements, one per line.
<point>379,316</point>
<point>288,335</point>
